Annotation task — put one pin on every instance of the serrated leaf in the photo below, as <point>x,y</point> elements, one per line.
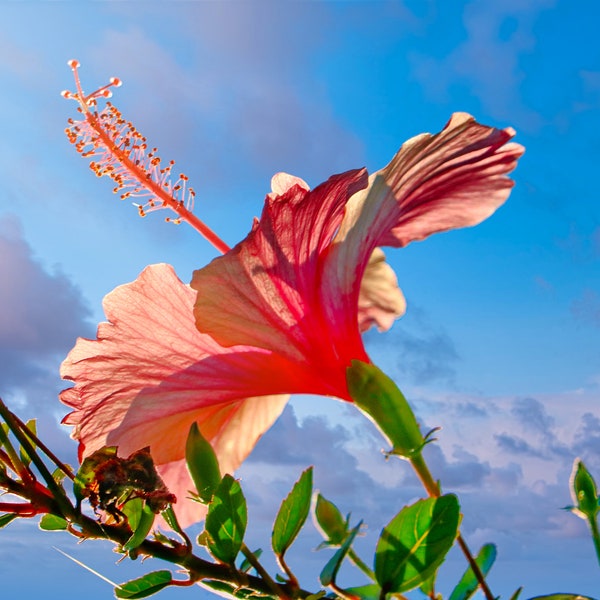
<point>415,543</point>
<point>332,524</point>
<point>6,519</point>
<point>468,583</point>
<point>144,586</point>
<point>226,520</point>
<point>143,528</point>
<point>202,464</point>
<point>292,514</point>
<point>52,523</point>
<point>329,572</point>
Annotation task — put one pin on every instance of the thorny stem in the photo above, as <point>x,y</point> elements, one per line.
<point>433,489</point>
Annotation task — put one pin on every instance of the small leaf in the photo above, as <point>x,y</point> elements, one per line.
<point>415,543</point>
<point>6,519</point>
<point>292,514</point>
<point>143,528</point>
<point>202,463</point>
<point>144,586</point>
<point>379,397</point>
<point>371,591</point>
<point>332,524</point>
<point>468,583</point>
<point>226,520</point>
<point>132,509</point>
<point>245,565</point>
<point>223,588</point>
<point>53,523</point>
<point>583,490</point>
<point>32,426</point>
<point>329,572</point>
<point>516,593</point>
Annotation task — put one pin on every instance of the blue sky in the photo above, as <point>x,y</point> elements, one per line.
<point>501,342</point>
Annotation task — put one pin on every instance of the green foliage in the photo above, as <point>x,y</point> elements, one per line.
<point>329,573</point>
<point>235,591</point>
<point>334,527</point>
<point>226,520</point>
<point>584,491</point>
<point>144,586</point>
<point>202,463</point>
<point>31,426</point>
<point>468,583</point>
<point>415,543</point>
<point>52,523</point>
<point>6,519</point>
<point>292,514</point>
<point>563,597</point>
<point>379,397</point>
<point>142,528</point>
<point>245,565</point>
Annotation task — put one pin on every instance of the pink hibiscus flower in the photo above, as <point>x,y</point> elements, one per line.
<point>280,313</point>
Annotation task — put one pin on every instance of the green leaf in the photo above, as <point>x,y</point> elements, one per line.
<point>379,397</point>
<point>468,583</point>
<point>371,591</point>
<point>415,543</point>
<point>221,588</point>
<point>226,520</point>
<point>53,523</point>
<point>583,489</point>
<point>132,509</point>
<point>516,593</point>
<point>202,464</point>
<point>142,529</point>
<point>292,514</point>
<point>144,586</point>
<point>334,527</point>
<point>330,571</point>
<point>6,519</point>
<point>32,426</point>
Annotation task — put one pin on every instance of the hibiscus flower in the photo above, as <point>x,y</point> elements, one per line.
<point>280,313</point>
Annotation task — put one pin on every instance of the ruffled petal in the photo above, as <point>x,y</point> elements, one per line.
<point>380,300</point>
<point>455,178</point>
<point>150,374</point>
<point>265,291</point>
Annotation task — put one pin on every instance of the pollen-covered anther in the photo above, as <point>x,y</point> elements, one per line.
<point>119,151</point>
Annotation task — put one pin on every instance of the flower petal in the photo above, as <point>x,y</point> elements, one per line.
<point>150,374</point>
<point>380,301</point>
<point>455,178</point>
<point>265,292</point>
